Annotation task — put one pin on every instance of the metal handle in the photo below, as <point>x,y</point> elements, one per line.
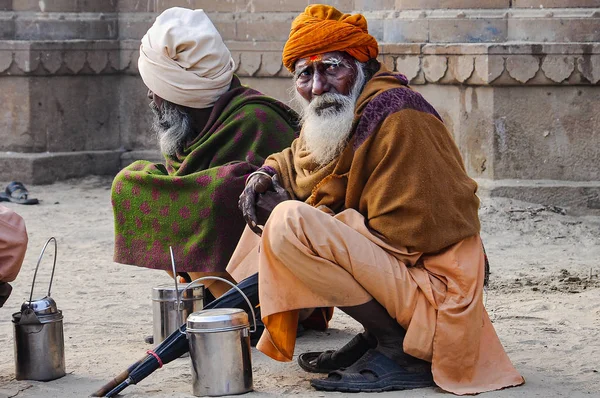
<point>179,308</point>
<point>233,286</point>
<point>38,266</point>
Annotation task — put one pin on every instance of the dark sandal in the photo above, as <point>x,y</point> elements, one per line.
<point>328,361</point>
<point>16,192</point>
<point>374,372</point>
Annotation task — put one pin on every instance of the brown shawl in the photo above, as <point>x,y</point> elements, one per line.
<point>400,169</point>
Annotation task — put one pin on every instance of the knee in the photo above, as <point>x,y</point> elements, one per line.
<point>287,215</point>
<point>287,223</point>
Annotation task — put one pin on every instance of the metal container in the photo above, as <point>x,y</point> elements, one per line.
<point>167,314</point>
<point>219,342</point>
<point>38,335</point>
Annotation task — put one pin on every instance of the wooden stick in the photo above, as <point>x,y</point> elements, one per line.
<point>121,377</point>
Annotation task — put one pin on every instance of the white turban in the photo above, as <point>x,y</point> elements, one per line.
<point>183,59</point>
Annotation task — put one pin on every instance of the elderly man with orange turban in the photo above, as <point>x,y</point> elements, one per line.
<point>370,210</point>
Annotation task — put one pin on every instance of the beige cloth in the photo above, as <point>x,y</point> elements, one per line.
<point>308,258</point>
<point>13,244</point>
<point>183,59</point>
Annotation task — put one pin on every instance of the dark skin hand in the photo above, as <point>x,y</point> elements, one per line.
<point>259,198</point>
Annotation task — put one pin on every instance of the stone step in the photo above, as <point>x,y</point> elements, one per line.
<point>58,26</point>
<point>491,25</point>
<point>575,196</point>
<point>516,4</point>
<point>412,26</point>
<point>48,167</point>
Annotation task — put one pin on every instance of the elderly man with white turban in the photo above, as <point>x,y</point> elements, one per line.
<point>213,133</point>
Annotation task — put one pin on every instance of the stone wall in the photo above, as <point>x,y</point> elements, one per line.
<point>515,80</point>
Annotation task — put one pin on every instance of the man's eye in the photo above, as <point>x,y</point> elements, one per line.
<point>332,67</point>
<point>304,73</point>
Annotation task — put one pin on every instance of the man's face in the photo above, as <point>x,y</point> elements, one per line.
<point>333,72</point>
<point>327,87</point>
<point>171,123</point>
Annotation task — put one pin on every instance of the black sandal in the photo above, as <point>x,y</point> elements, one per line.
<point>375,372</point>
<point>328,361</point>
<point>16,192</point>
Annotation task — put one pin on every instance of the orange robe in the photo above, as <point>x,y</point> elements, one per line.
<point>399,225</point>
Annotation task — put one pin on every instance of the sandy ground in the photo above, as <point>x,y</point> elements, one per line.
<point>544,300</point>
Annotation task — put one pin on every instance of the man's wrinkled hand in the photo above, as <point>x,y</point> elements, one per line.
<point>256,185</point>
<point>268,200</point>
<point>259,199</point>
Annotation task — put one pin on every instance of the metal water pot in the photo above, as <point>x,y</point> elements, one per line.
<point>219,341</point>
<point>168,312</point>
<point>38,334</point>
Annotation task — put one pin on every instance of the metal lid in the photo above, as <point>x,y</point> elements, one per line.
<point>166,292</point>
<point>28,317</point>
<point>217,320</point>
<point>43,306</point>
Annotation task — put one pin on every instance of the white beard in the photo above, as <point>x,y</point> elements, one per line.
<point>172,126</point>
<point>326,131</point>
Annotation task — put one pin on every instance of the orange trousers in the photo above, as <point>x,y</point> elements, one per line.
<point>310,258</point>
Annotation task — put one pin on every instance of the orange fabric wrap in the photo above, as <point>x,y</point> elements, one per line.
<point>322,29</point>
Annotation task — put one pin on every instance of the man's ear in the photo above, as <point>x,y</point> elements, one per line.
<point>158,101</point>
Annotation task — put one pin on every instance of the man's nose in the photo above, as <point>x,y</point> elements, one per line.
<point>320,85</point>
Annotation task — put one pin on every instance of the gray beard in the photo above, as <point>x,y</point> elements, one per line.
<point>325,130</point>
<point>173,127</point>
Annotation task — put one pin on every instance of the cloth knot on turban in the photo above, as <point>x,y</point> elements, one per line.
<point>183,59</point>
<point>321,29</point>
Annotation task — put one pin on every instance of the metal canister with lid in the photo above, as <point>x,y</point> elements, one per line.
<point>168,313</point>
<point>38,334</point>
<point>219,341</point>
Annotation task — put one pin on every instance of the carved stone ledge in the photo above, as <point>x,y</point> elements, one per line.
<point>456,64</point>
<point>72,57</point>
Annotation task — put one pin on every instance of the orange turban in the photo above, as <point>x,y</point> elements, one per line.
<point>321,29</point>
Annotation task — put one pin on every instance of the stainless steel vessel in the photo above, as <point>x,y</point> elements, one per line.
<point>167,314</point>
<point>38,334</point>
<point>219,342</point>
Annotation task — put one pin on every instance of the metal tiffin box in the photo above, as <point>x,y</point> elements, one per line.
<point>38,334</point>
<point>219,342</point>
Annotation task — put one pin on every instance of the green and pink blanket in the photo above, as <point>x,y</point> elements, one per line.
<point>190,203</point>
